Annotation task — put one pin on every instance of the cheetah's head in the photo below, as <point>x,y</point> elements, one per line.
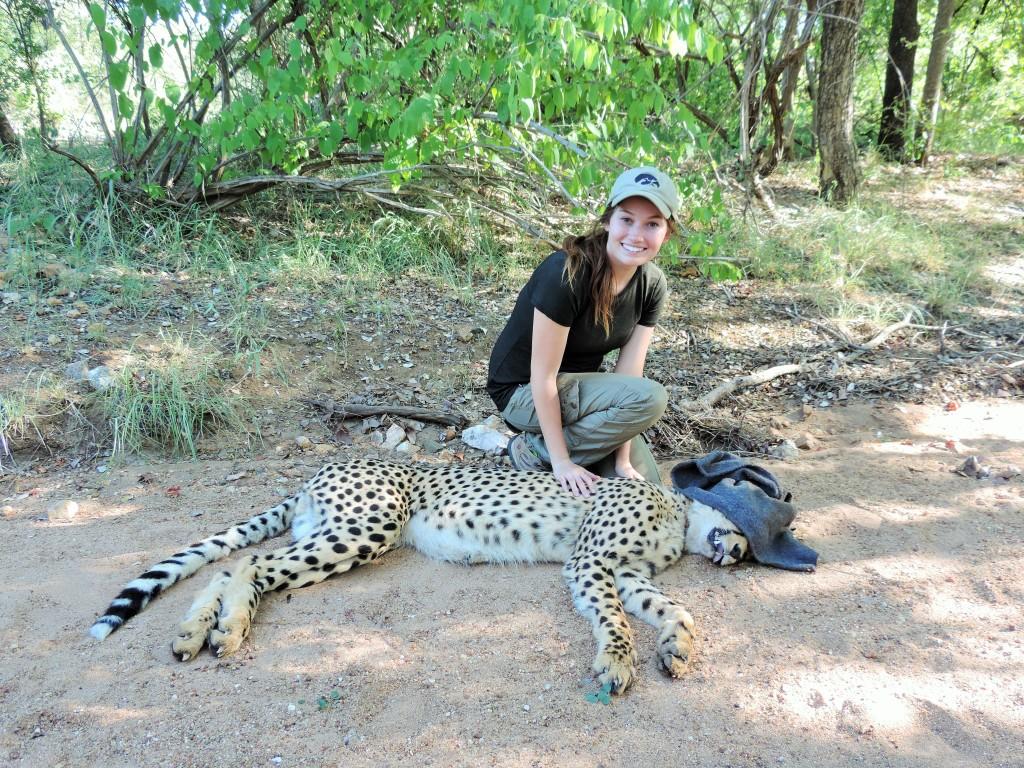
<point>711,534</point>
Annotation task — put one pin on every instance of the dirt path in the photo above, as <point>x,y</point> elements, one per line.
<point>906,648</point>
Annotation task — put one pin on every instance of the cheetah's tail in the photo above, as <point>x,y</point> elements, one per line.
<point>137,593</point>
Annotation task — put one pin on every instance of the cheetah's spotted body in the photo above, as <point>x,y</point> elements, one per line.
<point>349,514</point>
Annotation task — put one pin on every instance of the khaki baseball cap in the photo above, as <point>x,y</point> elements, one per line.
<point>650,184</point>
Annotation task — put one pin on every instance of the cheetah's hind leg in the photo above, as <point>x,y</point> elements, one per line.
<point>201,617</point>
<point>223,613</point>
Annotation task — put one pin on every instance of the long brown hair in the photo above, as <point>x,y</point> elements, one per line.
<point>591,250</point>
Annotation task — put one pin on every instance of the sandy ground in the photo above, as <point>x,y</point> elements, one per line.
<point>906,648</point>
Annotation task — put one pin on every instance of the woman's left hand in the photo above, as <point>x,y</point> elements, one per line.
<point>627,471</point>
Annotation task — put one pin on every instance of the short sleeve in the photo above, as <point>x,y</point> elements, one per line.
<point>655,297</point>
<point>551,293</point>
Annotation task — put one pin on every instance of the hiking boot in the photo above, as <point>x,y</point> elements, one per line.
<point>522,456</point>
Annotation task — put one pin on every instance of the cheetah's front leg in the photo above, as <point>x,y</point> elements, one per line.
<point>645,601</point>
<point>595,596</point>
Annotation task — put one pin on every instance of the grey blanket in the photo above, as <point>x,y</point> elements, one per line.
<point>752,498</point>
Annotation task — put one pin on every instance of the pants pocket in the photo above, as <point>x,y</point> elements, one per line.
<point>569,400</point>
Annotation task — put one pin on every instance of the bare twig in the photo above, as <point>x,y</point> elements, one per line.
<point>536,127</point>
<point>547,171</point>
<point>887,332</point>
<point>77,161</point>
<point>726,388</point>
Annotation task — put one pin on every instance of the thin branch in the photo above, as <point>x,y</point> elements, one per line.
<point>547,171</point>
<point>726,388</point>
<point>538,128</point>
<point>81,72</point>
<point>77,161</point>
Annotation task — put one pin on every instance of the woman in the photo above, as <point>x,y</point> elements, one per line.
<point>600,293</point>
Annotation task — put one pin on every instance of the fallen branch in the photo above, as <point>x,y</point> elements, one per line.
<point>726,388</point>
<point>345,410</point>
<point>887,332</point>
<point>845,338</point>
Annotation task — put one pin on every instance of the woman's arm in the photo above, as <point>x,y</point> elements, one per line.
<point>631,361</point>
<point>549,340</point>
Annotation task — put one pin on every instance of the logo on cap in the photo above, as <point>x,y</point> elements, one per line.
<point>646,180</point>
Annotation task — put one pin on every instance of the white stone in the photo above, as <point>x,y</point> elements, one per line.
<point>486,437</point>
<point>78,371</point>
<point>394,437</point>
<point>66,509</point>
<point>785,450</point>
<point>100,378</point>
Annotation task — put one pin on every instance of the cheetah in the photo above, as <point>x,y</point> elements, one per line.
<point>350,514</point>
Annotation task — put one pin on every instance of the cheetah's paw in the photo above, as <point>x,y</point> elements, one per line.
<point>189,642</point>
<point>226,639</point>
<point>615,669</point>
<point>675,647</point>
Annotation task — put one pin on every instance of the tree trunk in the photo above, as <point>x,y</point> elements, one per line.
<point>792,77</point>
<point>838,175</point>
<point>899,80</point>
<point>933,78</point>
<point>8,137</point>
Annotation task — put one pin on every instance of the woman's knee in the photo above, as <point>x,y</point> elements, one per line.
<point>645,397</point>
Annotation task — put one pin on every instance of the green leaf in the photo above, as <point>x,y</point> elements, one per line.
<point>156,56</point>
<point>99,16</point>
<point>124,105</point>
<point>417,115</point>
<point>119,75</point>
<point>108,42</point>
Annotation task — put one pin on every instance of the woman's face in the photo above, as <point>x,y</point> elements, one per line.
<point>636,232</point>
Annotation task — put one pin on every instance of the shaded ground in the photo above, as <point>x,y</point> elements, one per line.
<point>906,648</point>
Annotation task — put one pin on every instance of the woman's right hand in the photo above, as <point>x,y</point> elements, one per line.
<point>577,480</point>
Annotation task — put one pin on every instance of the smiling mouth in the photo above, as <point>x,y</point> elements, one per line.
<point>632,248</point>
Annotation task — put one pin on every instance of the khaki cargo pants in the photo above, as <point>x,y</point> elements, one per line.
<point>600,412</point>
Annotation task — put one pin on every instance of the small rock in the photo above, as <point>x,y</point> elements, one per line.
<point>53,301</point>
<point>377,438</point>
<point>450,434</point>
<point>323,449</point>
<point>394,437</point>
<point>303,442</point>
<point>8,511</point>
<point>807,442</point>
<point>62,510</point>
<point>972,467</point>
<point>1008,472</point>
<point>485,437</point>
<point>786,450</point>
<point>53,339</point>
<point>429,444</point>
<point>51,271</point>
<point>78,371</point>
<point>464,333</point>
<point>100,378</point>
<point>10,297</point>
<point>405,447</point>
